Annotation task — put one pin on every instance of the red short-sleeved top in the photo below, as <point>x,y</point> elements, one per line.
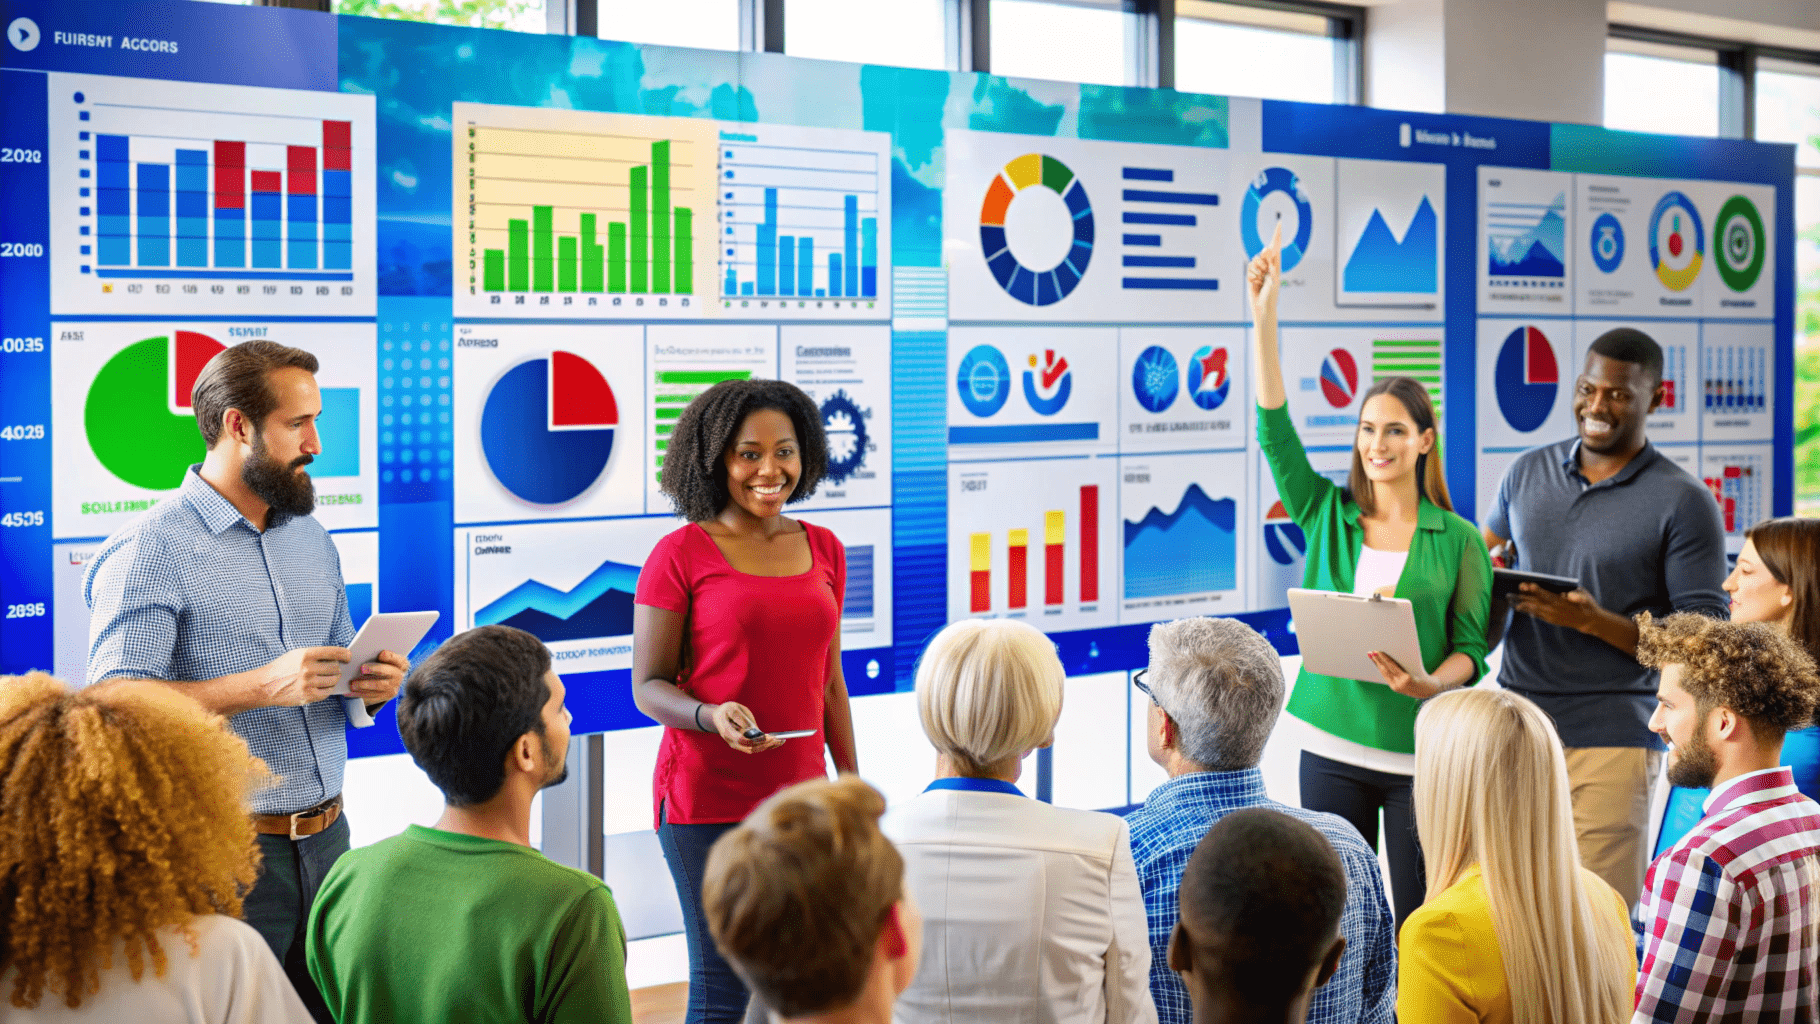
<point>760,640</point>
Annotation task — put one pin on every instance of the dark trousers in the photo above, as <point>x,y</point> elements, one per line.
<point>278,908</point>
<point>716,995</point>
<point>1358,794</point>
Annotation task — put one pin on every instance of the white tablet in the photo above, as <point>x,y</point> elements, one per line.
<point>1336,630</point>
<point>397,632</point>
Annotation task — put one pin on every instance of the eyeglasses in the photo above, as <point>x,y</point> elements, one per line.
<point>1137,680</point>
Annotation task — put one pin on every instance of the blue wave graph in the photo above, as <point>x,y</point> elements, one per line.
<point>1380,263</point>
<point>1191,550</point>
<point>598,606</point>
<point>1527,239</point>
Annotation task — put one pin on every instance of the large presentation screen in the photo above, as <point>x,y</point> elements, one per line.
<point>1018,305</point>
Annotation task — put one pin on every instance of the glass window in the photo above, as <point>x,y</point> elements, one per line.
<point>1065,42</point>
<point>707,24</point>
<point>518,15</point>
<point>1231,50</point>
<point>1788,110</point>
<point>1673,90</point>
<point>902,33</point>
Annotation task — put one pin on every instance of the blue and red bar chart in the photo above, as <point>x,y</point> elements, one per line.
<point>176,193</point>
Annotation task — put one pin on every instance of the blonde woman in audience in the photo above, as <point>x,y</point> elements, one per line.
<point>806,901</point>
<point>1033,912</point>
<point>1514,931</point>
<point>125,847</point>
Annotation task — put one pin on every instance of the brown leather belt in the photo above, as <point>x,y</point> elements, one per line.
<point>304,823</point>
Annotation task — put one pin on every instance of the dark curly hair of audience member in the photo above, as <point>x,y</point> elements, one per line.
<point>693,474</point>
<point>124,810</point>
<point>1753,668</point>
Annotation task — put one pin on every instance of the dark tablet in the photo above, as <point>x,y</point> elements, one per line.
<point>1505,582</point>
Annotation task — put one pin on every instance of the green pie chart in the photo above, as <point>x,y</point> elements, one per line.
<point>137,416</point>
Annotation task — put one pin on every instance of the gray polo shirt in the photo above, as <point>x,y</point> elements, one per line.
<point>1646,540</point>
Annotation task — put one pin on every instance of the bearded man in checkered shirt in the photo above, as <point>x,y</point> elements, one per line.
<point>230,592</point>
<point>1731,913</point>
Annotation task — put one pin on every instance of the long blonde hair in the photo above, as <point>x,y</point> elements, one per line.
<point>1491,789</point>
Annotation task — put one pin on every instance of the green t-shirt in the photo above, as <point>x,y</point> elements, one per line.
<point>438,926</point>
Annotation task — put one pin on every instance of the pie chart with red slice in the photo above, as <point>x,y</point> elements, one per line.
<point>1339,378</point>
<point>1527,378</point>
<point>547,428</point>
<point>138,416</point>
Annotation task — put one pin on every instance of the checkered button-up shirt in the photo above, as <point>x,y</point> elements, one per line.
<point>192,591</point>
<point>1164,833</point>
<point>1731,913</point>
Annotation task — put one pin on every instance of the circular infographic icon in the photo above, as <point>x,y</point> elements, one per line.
<point>1154,378</point>
<point>984,380</point>
<point>546,429</point>
<point>1607,243</point>
<point>1739,233</point>
<point>1526,378</point>
<point>138,416</point>
<point>1339,378</point>
<point>1274,194</point>
<point>845,425</point>
<point>1208,381</point>
<point>1036,287</point>
<point>1048,382</point>
<point>1282,537</point>
<point>1677,241</point>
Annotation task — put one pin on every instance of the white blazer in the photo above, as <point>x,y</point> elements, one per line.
<point>1032,913</point>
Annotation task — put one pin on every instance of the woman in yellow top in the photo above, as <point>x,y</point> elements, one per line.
<point>1514,931</point>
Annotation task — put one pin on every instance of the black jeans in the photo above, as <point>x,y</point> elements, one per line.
<point>1358,794</point>
<point>278,907</point>
<point>716,995</point>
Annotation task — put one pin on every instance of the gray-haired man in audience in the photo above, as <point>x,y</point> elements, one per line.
<point>1216,689</point>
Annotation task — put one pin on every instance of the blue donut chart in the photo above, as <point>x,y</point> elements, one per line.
<point>1276,179</point>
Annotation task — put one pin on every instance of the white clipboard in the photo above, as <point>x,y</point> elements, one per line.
<point>1336,630</point>
<point>384,631</point>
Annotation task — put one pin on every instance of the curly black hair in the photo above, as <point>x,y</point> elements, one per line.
<point>693,474</point>
<point>1753,668</point>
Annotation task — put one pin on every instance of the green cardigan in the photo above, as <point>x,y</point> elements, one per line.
<point>1447,579</point>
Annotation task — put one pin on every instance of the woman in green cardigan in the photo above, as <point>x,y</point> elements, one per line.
<point>1393,531</point>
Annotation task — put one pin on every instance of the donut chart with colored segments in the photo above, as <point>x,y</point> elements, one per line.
<point>1035,287</point>
<point>138,417</point>
<point>547,428</point>
<point>1339,378</point>
<point>1677,241</point>
<point>1739,234</point>
<point>1253,235</point>
<point>1526,378</point>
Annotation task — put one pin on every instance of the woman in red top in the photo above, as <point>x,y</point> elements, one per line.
<point>738,623</point>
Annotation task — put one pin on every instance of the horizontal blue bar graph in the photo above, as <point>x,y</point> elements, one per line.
<point>1181,220</point>
<point>1143,239</point>
<point>1017,433</point>
<point>1142,195</point>
<point>1183,262</point>
<point>1175,284</point>
<point>1148,174</point>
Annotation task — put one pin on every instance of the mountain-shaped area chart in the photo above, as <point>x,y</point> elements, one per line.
<point>1191,550</point>
<point>598,606</point>
<point>1381,263</point>
<point>1527,239</point>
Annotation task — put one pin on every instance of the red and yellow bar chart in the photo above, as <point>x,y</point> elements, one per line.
<point>1070,557</point>
<point>563,213</point>
<point>222,198</point>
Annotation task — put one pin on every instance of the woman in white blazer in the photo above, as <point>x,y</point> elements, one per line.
<point>1032,912</point>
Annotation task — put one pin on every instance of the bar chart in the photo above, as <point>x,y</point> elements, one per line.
<point>223,199</point>
<point>1034,541</point>
<point>684,360</point>
<point>804,221</point>
<point>563,213</point>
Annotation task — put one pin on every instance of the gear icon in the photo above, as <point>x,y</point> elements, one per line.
<point>845,424</point>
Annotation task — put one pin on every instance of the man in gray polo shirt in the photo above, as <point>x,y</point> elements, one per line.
<point>1640,534</point>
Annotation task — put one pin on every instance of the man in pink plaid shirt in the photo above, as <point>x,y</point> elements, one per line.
<point>1731,913</point>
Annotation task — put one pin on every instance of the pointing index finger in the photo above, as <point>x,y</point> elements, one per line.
<point>1276,237</point>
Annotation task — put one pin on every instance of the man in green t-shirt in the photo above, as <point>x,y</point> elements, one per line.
<point>466,921</point>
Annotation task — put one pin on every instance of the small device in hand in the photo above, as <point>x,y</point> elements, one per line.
<point>755,733</point>
<point>1505,582</point>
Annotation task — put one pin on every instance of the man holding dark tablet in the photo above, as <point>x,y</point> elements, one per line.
<point>1609,510</point>
<point>230,591</point>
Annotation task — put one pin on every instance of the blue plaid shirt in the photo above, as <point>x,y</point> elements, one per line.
<point>191,591</point>
<point>1164,833</point>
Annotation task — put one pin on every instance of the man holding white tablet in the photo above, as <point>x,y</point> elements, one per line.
<point>231,592</point>
<point>1639,534</point>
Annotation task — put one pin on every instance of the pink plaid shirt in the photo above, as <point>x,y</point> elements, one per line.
<point>1731,915</point>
